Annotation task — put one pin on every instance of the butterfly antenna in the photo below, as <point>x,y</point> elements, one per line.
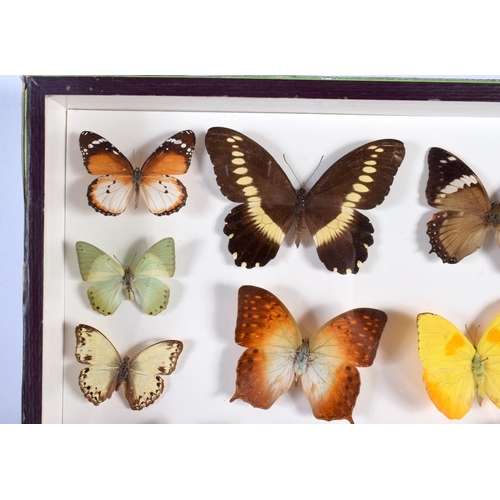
<point>119,261</point>
<point>291,169</point>
<point>309,178</point>
<point>473,338</point>
<point>320,160</point>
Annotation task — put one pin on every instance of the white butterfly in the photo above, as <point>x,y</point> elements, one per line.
<point>115,283</point>
<point>140,375</point>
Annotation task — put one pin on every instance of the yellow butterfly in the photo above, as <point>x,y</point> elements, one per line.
<point>455,370</point>
<point>140,376</point>
<point>114,283</point>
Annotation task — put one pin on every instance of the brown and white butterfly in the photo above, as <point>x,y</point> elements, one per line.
<point>277,355</point>
<point>110,193</point>
<point>140,376</point>
<point>248,174</point>
<point>467,213</point>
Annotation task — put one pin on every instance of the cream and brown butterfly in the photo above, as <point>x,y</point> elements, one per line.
<point>114,282</point>
<point>107,371</point>
<point>118,181</point>
<point>277,355</point>
<point>466,212</point>
<point>453,369</point>
<point>269,205</point>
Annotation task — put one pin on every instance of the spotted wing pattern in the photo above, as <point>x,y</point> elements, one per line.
<point>276,355</point>
<point>269,205</point>
<point>118,181</point>
<point>141,377</point>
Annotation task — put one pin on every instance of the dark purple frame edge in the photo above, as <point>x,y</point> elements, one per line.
<point>37,88</point>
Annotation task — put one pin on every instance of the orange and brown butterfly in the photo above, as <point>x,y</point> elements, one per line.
<point>269,204</point>
<point>453,369</point>
<point>466,212</point>
<point>118,181</point>
<point>277,355</point>
<point>107,371</point>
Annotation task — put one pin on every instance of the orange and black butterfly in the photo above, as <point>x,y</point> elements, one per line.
<point>118,181</point>
<point>467,213</point>
<point>248,174</point>
<point>277,355</point>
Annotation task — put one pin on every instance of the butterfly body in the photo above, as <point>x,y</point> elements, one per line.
<point>466,212</point>
<point>454,370</point>
<point>118,181</point>
<point>492,216</point>
<point>107,372</point>
<point>277,356</point>
<point>115,283</point>
<point>269,205</point>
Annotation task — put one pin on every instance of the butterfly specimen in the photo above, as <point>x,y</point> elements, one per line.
<point>140,376</point>
<point>277,355</point>
<point>118,181</point>
<point>467,213</point>
<point>269,205</point>
<point>455,370</point>
<point>115,282</point>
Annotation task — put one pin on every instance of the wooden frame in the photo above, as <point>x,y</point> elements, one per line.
<point>37,89</point>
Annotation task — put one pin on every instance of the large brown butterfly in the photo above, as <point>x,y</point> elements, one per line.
<point>110,193</point>
<point>248,174</point>
<point>467,213</point>
<point>277,355</point>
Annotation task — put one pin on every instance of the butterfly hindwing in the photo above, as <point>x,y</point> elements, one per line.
<point>459,228</point>
<point>331,381</point>
<point>248,174</point>
<point>99,380</point>
<point>141,377</point>
<point>276,355</point>
<point>110,193</point>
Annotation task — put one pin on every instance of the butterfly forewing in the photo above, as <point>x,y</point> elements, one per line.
<point>452,185</point>
<point>159,260</point>
<point>96,265</point>
<point>460,227</point>
<point>264,325</point>
<point>360,179</point>
<point>245,170</point>
<point>99,380</point>
<point>111,192</point>
<point>446,356</point>
<point>144,384</point>
<point>331,381</point>
<point>248,174</point>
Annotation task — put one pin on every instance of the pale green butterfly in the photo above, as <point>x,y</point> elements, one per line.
<point>115,283</point>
